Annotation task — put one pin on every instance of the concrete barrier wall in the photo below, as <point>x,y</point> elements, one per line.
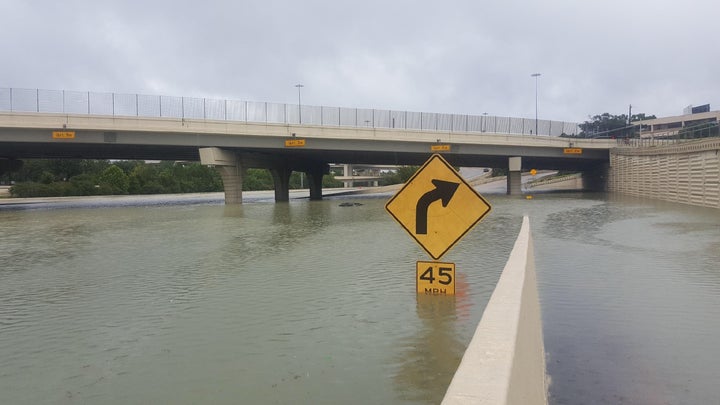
<point>687,173</point>
<point>505,361</point>
<point>569,182</point>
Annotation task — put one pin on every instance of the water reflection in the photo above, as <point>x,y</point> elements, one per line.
<point>233,210</point>
<point>281,214</point>
<point>426,357</point>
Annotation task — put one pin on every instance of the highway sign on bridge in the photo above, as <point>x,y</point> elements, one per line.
<point>437,207</point>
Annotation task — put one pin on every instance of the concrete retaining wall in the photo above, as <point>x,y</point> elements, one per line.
<point>569,182</point>
<point>687,173</point>
<point>505,361</point>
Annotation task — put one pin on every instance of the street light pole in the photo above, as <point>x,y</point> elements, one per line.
<point>299,86</point>
<point>536,75</point>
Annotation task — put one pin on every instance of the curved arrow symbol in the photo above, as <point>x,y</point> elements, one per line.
<point>444,191</point>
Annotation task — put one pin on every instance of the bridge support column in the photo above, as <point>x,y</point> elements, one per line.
<point>232,177</point>
<point>514,176</point>
<point>230,169</point>
<point>348,172</point>
<point>315,177</point>
<point>281,178</point>
<point>596,179</point>
<point>232,166</point>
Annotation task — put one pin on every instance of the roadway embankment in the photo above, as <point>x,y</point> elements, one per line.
<point>505,361</point>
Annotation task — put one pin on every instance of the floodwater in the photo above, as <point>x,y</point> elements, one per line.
<point>306,302</point>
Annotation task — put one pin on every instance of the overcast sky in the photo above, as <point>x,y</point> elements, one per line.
<point>467,57</point>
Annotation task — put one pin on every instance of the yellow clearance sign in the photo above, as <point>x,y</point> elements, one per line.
<point>439,148</point>
<point>63,134</point>
<point>437,207</point>
<point>294,143</point>
<point>572,151</point>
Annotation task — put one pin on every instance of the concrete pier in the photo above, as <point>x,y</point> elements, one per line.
<point>232,166</point>
<point>281,179</point>
<point>514,176</point>
<point>230,169</point>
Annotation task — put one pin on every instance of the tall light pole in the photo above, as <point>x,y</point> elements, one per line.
<point>299,86</point>
<point>536,75</point>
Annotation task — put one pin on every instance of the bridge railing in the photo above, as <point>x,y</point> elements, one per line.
<point>140,105</point>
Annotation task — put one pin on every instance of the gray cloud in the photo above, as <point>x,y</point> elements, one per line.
<point>455,56</point>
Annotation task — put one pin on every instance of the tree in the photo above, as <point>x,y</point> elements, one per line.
<point>606,125</point>
<point>405,172</point>
<point>84,184</point>
<point>329,181</point>
<point>257,179</point>
<point>399,176</point>
<point>641,117</point>
<point>113,181</point>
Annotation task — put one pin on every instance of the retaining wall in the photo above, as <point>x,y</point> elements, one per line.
<point>505,361</point>
<point>569,182</point>
<point>686,173</point>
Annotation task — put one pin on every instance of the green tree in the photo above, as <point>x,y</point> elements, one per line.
<point>257,179</point>
<point>389,178</point>
<point>607,125</point>
<point>128,165</point>
<point>405,172</point>
<point>113,181</point>
<point>399,176</point>
<point>84,184</point>
<point>329,181</point>
<point>46,177</point>
<point>641,117</point>
<point>143,180</point>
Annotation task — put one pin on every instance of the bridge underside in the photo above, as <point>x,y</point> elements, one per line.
<point>313,157</point>
<point>487,158</point>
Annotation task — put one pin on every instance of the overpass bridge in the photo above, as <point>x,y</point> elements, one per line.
<point>31,129</point>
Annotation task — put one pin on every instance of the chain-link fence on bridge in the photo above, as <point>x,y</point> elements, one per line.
<point>139,105</point>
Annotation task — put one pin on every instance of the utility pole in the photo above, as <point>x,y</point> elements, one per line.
<point>299,86</point>
<point>536,75</point>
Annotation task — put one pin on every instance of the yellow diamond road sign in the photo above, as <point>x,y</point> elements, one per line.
<point>437,207</point>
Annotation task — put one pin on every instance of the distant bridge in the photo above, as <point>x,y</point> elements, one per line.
<point>97,131</point>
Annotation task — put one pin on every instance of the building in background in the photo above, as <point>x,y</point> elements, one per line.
<point>696,120</point>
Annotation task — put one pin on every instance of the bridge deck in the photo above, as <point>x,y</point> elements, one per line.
<point>29,135</point>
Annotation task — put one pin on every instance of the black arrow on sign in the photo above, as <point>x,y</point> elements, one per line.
<point>444,191</point>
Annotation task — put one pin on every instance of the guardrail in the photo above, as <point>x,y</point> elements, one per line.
<point>681,146</point>
<point>653,142</point>
<point>139,105</point>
